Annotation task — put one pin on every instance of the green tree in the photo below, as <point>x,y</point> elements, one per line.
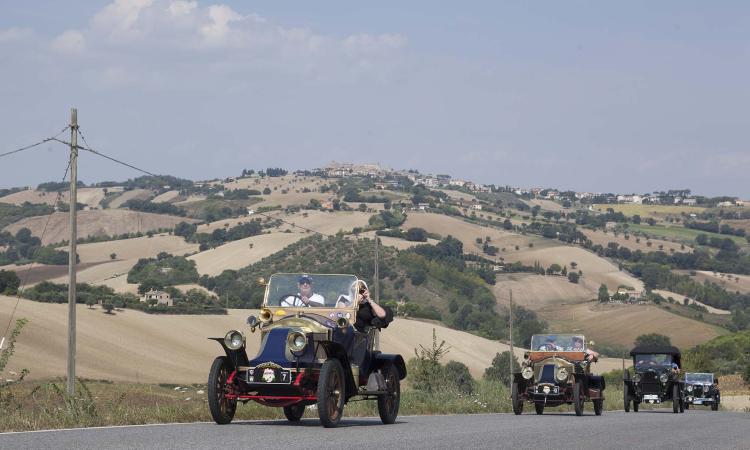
<point>9,282</point>
<point>90,302</point>
<point>113,256</point>
<point>457,374</point>
<point>499,370</point>
<point>603,293</point>
<point>266,191</point>
<point>108,306</point>
<point>535,211</point>
<point>416,235</point>
<point>652,339</point>
<point>573,277</point>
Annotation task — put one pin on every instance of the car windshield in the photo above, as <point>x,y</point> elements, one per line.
<point>653,360</point>
<point>705,378</point>
<point>558,343</point>
<point>301,290</point>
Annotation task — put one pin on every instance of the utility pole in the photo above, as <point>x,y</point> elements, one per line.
<point>510,328</point>
<point>376,344</point>
<point>72,251</point>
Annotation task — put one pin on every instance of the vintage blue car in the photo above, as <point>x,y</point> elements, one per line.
<point>311,352</point>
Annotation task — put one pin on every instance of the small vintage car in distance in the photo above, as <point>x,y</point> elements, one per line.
<point>557,371</point>
<point>701,389</point>
<point>655,379</point>
<point>310,353</point>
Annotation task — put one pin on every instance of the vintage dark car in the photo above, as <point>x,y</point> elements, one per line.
<point>310,354</point>
<point>701,389</point>
<point>557,371</point>
<point>655,378</point>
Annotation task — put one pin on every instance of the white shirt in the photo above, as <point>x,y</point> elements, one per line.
<point>292,301</point>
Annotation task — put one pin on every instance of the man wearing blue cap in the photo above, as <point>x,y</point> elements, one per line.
<point>305,297</point>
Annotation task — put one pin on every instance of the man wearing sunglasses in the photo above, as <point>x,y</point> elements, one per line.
<point>306,296</point>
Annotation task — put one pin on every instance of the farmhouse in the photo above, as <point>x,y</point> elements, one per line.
<point>161,297</point>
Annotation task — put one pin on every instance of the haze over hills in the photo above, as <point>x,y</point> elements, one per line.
<point>669,263</point>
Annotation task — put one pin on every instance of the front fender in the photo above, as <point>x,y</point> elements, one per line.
<point>236,357</point>
<point>336,350</point>
<point>381,359</point>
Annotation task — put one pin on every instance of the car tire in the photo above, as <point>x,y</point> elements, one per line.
<point>675,398</point>
<point>331,393</point>
<point>388,403</point>
<point>626,398</point>
<point>714,406</point>
<point>515,398</point>
<point>222,409</point>
<point>578,397</point>
<point>539,408</point>
<point>598,406</point>
<point>294,413</point>
<point>687,405</point>
<point>636,405</point>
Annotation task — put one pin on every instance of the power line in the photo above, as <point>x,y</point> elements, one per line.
<point>36,144</point>
<point>98,153</point>
<point>31,266</point>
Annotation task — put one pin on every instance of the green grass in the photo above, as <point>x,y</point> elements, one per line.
<point>680,233</point>
<point>649,210</point>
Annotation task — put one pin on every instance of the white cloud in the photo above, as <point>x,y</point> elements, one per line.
<point>218,27</point>
<point>120,18</point>
<point>181,8</point>
<point>71,41</point>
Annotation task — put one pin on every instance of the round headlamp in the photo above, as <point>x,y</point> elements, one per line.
<point>234,340</point>
<point>296,341</point>
<point>690,388</point>
<point>562,374</point>
<point>663,378</point>
<point>527,372</point>
<point>636,378</point>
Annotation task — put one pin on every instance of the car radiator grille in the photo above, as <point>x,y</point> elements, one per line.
<point>698,391</point>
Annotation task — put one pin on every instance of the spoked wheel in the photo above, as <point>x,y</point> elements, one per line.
<point>598,406</point>
<point>294,413</point>
<point>578,397</point>
<point>675,398</point>
<point>539,408</point>
<point>331,393</point>
<point>516,400</point>
<point>715,405</point>
<point>389,402</point>
<point>222,409</point>
<point>687,405</point>
<point>626,399</point>
<point>636,405</point>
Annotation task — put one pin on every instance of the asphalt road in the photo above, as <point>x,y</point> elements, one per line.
<point>613,430</point>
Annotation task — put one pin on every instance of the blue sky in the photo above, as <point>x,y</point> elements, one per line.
<point>596,96</point>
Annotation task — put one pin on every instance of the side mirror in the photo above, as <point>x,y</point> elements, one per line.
<point>591,343</point>
<point>261,282</point>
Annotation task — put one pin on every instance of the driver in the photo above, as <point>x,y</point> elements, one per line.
<point>305,297</point>
<point>550,345</point>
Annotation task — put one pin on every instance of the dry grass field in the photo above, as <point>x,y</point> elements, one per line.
<point>241,253</point>
<point>467,233</point>
<point>599,237</point>
<point>679,298</point>
<point>400,244</point>
<point>458,195</point>
<point>731,282</point>
<point>96,223</point>
<point>538,291</point>
<point>134,194</point>
<point>87,196</point>
<point>621,324</point>
<point>546,205</point>
<point>131,345</point>
<point>596,270</point>
<point>166,197</point>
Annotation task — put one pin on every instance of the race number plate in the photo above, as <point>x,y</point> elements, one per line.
<point>697,402</point>
<point>650,397</point>
<point>269,376</point>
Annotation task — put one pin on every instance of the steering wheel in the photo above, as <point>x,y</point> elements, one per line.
<point>284,298</point>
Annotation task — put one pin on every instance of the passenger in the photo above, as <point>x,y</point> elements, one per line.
<point>306,296</point>
<point>579,347</point>
<point>370,313</point>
